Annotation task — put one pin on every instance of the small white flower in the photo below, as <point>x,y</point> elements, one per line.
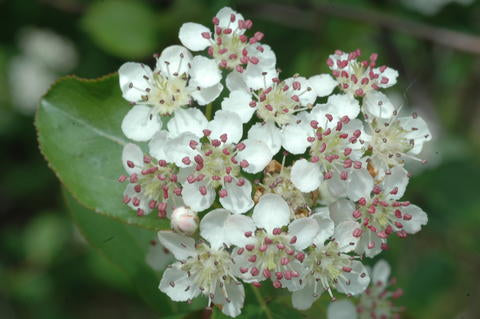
<point>378,211</point>
<point>184,220</point>
<point>395,140</point>
<point>265,250</point>
<point>360,77</point>
<point>152,184</point>
<point>177,80</point>
<point>328,265</point>
<point>202,269</point>
<point>228,45</point>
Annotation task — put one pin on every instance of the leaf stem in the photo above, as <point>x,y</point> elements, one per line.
<point>261,301</point>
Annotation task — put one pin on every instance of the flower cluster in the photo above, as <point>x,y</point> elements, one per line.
<point>301,218</point>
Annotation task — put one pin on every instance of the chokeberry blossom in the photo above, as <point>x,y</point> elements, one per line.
<point>329,265</point>
<point>177,80</point>
<point>375,206</point>
<point>375,302</point>
<point>202,268</point>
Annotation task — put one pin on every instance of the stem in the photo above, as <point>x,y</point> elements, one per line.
<point>261,301</point>
<point>208,111</point>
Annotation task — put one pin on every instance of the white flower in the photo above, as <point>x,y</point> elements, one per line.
<point>378,211</point>
<point>265,250</point>
<point>395,140</point>
<point>202,269</point>
<point>334,143</point>
<point>158,257</point>
<point>178,78</point>
<point>329,266</point>
<point>152,184</point>
<point>360,77</point>
<point>215,161</point>
<point>184,220</point>
<point>228,46</point>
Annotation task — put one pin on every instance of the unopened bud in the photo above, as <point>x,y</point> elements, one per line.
<point>184,220</point>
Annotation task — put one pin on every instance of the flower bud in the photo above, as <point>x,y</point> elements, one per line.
<point>184,220</point>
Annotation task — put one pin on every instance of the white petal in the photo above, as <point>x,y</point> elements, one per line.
<point>341,309</point>
<point>193,197</point>
<point>344,235</point>
<point>212,227</point>
<point>361,184</point>
<point>131,193</point>
<point>204,96</point>
<point>157,147</point>
<point>377,104</point>
<point>226,122</point>
<point>271,212</point>
<point>235,228</point>
<point>132,82</point>
<point>367,238</point>
<point>419,219</point>
<point>235,82</point>
<point>174,61</point>
<point>341,210</point>
<point>265,55</point>
<point>205,72</point>
<point>398,178</point>
<point>388,73</point>
<point>268,133</point>
<point>306,176</point>
<point>419,132</point>
<point>239,198</point>
<point>190,35</point>
<point>179,148</point>
<point>323,84</point>
<point>344,105</point>
<point>294,138</point>
<point>257,154</point>
<point>304,298</point>
<point>305,230</point>
<point>132,153</point>
<point>381,272</point>
<point>187,120</point>
<point>336,186</point>
<point>158,257</point>
<point>256,77</point>
<point>224,16</point>
<point>236,294</point>
<point>326,225</point>
<point>356,281</point>
<point>238,102</point>
<point>180,246</point>
<point>175,283</point>
<point>137,124</point>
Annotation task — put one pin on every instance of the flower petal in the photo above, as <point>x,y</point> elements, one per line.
<point>304,298</point>
<point>139,125</point>
<point>419,219</point>
<point>341,210</point>
<point>323,84</point>
<point>355,281</point>
<point>396,180</point>
<point>193,197</point>
<point>294,137</point>
<point>239,198</point>
<point>205,72</point>
<point>264,53</point>
<point>132,153</point>
<point>177,285</point>
<point>305,230</point>
<point>305,94</point>
<point>344,235</point>
<point>381,272</point>
<point>271,212</point>
<point>361,184</point>
<point>180,246</point>
<point>224,15</point>
<point>157,147</point>
<point>306,176</point>
<point>326,225</point>
<point>226,122</point>
<point>235,228</point>
<point>190,35</point>
<point>179,149</point>
<point>187,120</point>
<point>212,227</point>
<point>269,134</point>
<point>256,153</point>
<point>238,102</point>
<point>235,82</point>
<point>344,105</point>
<point>204,96</point>
<point>378,104</point>
<point>174,61</point>
<point>256,77</point>
<point>236,296</point>
<point>132,80</point>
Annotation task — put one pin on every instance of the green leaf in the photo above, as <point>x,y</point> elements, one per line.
<point>123,28</point>
<point>126,247</point>
<point>79,133</point>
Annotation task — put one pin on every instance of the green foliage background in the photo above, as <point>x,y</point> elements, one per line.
<point>47,269</point>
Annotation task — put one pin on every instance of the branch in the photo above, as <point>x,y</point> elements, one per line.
<point>305,19</point>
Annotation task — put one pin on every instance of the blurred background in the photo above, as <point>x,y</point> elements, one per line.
<point>48,270</point>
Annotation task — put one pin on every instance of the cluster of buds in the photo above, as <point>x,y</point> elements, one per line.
<point>244,211</point>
